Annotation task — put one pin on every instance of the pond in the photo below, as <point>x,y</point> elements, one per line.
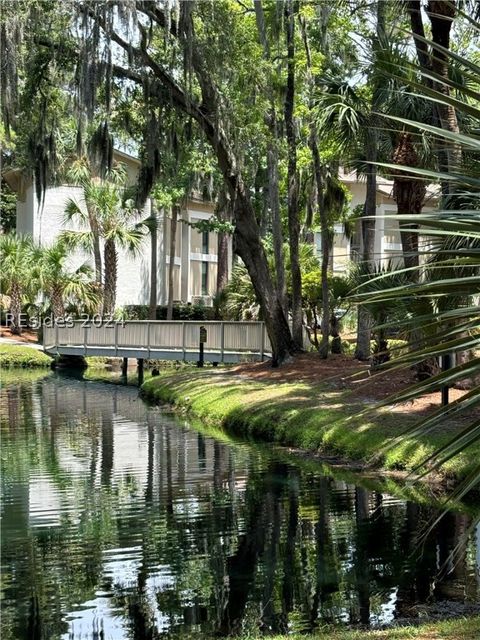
<point>120,521</point>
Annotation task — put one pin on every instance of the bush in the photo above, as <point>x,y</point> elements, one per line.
<point>18,356</point>
<point>180,312</point>
<point>396,347</point>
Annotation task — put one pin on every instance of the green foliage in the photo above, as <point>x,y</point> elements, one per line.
<point>18,266</point>
<point>339,289</point>
<point>8,208</point>
<point>214,225</point>
<point>180,312</point>
<point>464,628</point>
<point>444,287</point>
<point>105,205</point>
<point>240,301</point>
<point>29,271</point>
<point>18,356</point>
<point>74,288</point>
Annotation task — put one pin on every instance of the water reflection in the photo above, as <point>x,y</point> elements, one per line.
<point>120,522</point>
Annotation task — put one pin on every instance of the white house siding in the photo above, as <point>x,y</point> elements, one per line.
<point>24,214</point>
<point>202,261</point>
<point>46,221</point>
<point>387,247</point>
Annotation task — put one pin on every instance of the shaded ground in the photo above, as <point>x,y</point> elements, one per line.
<point>343,372</point>
<point>27,336</point>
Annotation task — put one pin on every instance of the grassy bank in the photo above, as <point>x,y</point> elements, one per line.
<point>19,356</point>
<point>317,417</point>
<point>461,629</point>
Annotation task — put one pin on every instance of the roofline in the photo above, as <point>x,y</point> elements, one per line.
<point>127,156</point>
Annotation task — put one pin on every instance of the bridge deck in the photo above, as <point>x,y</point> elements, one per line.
<point>161,340</point>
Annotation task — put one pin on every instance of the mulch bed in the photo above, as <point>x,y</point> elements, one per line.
<point>343,372</point>
<point>26,336</point>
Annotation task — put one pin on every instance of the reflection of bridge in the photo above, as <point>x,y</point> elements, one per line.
<point>161,340</point>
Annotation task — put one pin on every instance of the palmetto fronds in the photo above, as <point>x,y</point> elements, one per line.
<point>17,274</point>
<point>106,217</point>
<point>63,286</point>
<point>448,282</point>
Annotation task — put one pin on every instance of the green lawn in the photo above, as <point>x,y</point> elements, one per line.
<point>314,417</point>
<point>19,356</point>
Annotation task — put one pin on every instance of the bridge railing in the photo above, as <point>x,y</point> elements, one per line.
<point>154,338</point>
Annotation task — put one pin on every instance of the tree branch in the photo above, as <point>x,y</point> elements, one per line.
<point>150,9</point>
<point>175,92</point>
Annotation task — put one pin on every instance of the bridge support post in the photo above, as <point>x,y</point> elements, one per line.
<point>140,370</point>
<point>200,355</point>
<point>124,367</point>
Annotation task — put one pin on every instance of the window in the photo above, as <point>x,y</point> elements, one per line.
<point>204,278</point>
<point>204,241</point>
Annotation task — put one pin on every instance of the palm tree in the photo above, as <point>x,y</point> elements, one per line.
<point>17,274</point>
<point>344,110</point>
<point>80,174</point>
<point>63,287</point>
<point>108,218</point>
<point>456,269</point>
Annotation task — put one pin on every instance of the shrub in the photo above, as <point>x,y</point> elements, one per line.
<point>18,356</point>
<point>180,312</point>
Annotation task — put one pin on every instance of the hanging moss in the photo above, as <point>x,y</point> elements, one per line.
<point>100,150</point>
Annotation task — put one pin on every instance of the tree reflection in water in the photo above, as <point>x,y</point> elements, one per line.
<point>120,522</point>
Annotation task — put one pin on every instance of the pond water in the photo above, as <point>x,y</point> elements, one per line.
<point>120,521</point>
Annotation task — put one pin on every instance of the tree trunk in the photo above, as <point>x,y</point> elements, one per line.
<point>223,214</point>
<point>442,14</point>
<point>152,309</point>
<point>409,194</point>
<point>364,319</point>
<point>251,251</point>
<point>58,307</point>
<point>97,252</point>
<point>110,286</point>
<point>414,8</point>
<point>277,233</point>
<point>364,333</point>
<point>293,221</point>
<point>222,264</point>
<point>406,194</point>
<point>323,349</point>
<point>15,309</point>
<point>171,260</point>
<point>272,168</point>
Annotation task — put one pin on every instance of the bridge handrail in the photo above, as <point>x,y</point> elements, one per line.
<point>154,335</point>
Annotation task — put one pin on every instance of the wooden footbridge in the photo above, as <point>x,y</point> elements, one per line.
<point>228,342</point>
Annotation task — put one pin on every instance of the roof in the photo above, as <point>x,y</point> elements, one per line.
<point>19,181</point>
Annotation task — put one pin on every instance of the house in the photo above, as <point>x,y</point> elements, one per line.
<point>388,246</point>
<point>196,252</point>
